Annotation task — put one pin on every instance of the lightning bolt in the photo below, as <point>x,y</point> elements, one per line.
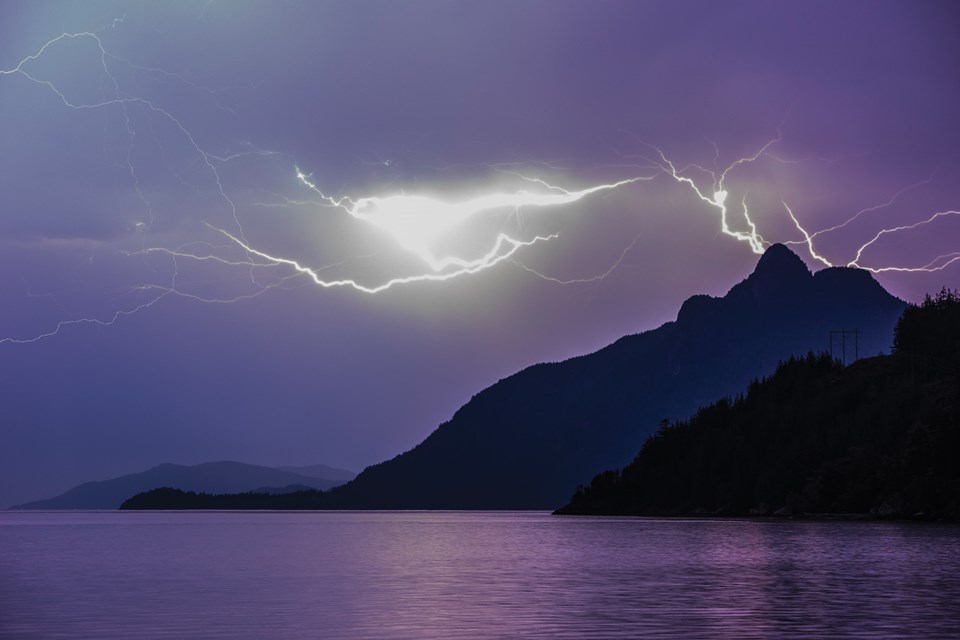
<point>503,248</point>
<point>208,159</point>
<point>951,258</point>
<point>415,221</point>
<point>716,197</point>
<point>416,224</point>
<point>597,278</point>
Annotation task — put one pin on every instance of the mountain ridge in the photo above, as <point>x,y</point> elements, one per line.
<point>528,440</point>
<point>224,476</point>
<point>878,438</point>
<point>554,424</point>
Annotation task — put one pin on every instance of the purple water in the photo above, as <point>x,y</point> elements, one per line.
<point>449,574</point>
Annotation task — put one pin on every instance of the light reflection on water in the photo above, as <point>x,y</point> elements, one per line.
<point>469,574</point>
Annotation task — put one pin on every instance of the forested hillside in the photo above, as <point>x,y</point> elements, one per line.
<point>880,437</point>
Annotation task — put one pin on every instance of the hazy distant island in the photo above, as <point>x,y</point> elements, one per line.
<point>880,437</point>
<point>210,477</point>
<point>168,498</point>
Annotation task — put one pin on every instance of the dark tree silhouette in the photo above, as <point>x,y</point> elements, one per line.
<point>879,437</point>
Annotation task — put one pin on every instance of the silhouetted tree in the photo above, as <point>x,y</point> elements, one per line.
<point>814,437</point>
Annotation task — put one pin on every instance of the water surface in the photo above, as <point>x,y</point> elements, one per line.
<point>469,574</point>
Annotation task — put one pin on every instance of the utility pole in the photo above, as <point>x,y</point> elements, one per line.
<point>843,333</point>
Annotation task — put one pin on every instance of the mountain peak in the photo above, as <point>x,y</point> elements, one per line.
<point>780,261</point>
<point>535,435</point>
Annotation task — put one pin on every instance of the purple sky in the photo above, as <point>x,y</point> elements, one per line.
<point>450,100</point>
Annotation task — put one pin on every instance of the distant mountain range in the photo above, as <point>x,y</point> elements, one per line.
<point>880,437</point>
<point>211,477</point>
<point>321,471</point>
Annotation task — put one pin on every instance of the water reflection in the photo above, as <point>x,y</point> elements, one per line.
<point>442,575</point>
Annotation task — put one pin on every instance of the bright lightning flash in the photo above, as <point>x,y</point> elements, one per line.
<point>416,223</point>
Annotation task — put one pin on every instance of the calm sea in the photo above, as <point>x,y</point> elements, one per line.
<point>453,574</point>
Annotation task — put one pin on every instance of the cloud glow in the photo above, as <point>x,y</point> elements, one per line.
<point>422,226</point>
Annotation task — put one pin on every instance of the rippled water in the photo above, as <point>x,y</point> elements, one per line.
<point>446,574</point>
